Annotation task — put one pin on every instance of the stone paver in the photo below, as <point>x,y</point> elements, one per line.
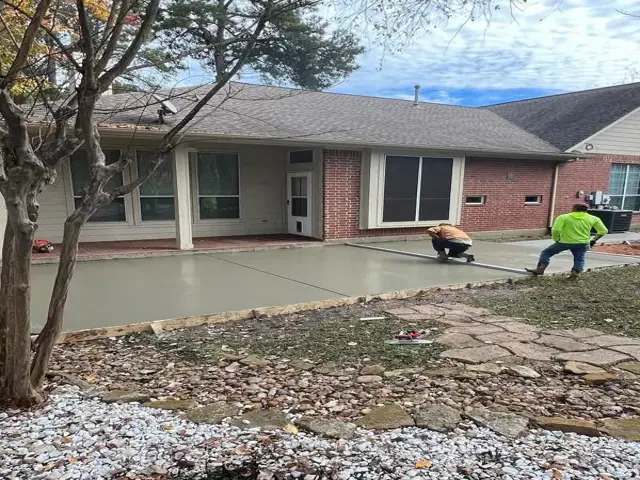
<point>577,332</point>
<point>633,350</point>
<point>625,428</point>
<point>611,340</point>
<point>401,311</point>
<point>574,425</point>
<point>508,424</point>
<point>507,337</point>
<point>601,357</point>
<point>386,417</point>
<point>476,355</point>
<point>477,329</point>
<point>579,368</point>
<point>415,317</point>
<point>457,340</point>
<point>531,351</point>
<point>563,343</point>
<point>431,310</point>
<point>599,378</point>
<point>633,367</point>
<point>462,309</point>
<point>457,321</point>
<point>440,418</point>
<point>519,327</point>
<point>488,367</point>
<point>497,319</point>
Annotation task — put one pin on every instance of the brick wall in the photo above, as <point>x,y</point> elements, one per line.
<point>504,182</point>
<point>587,176</point>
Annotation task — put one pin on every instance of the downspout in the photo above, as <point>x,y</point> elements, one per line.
<point>554,192</point>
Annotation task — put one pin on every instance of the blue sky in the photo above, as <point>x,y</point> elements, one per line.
<point>551,46</point>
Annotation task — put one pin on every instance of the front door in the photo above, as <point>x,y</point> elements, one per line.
<point>299,203</point>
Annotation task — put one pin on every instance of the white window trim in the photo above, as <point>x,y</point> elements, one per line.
<point>624,185</point>
<point>70,195</point>
<point>195,195</point>
<point>136,193</point>
<point>537,202</point>
<point>482,202</point>
<point>373,171</point>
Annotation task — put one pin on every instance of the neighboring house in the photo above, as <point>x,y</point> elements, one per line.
<point>268,160</point>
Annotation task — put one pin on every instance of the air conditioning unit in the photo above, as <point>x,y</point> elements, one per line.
<point>616,221</point>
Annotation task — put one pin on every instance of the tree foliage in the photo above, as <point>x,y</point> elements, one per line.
<point>295,47</point>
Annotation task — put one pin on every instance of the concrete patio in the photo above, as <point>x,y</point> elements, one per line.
<point>125,291</point>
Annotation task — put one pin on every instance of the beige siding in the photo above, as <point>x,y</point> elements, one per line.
<point>262,182</point>
<point>622,138</point>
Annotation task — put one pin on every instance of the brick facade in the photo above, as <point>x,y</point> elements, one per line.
<point>588,176</point>
<point>505,184</point>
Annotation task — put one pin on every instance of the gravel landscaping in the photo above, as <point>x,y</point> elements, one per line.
<point>75,437</point>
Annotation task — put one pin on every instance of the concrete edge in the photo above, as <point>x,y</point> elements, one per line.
<point>172,253</point>
<point>194,321</point>
<point>222,317</point>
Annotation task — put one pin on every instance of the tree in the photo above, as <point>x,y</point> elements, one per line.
<point>102,43</point>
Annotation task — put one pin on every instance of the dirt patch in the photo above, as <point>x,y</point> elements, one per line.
<point>621,249</point>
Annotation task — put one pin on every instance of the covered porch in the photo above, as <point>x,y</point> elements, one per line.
<point>208,196</point>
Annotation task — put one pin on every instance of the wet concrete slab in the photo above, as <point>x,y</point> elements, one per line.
<point>515,256</point>
<point>120,292</point>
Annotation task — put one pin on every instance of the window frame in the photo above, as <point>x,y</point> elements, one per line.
<point>195,193</point>
<point>373,181</point>
<point>129,211</point>
<point>482,202</point>
<point>537,202</point>
<point>138,198</point>
<point>624,195</point>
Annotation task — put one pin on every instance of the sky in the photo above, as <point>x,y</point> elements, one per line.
<point>551,46</point>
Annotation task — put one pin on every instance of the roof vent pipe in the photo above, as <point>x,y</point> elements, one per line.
<point>416,97</point>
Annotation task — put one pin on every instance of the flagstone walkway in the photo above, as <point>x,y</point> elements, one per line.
<point>476,336</point>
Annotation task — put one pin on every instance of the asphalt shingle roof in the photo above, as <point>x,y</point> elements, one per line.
<point>264,112</point>
<point>566,119</point>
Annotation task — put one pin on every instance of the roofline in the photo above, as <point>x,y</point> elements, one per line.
<point>604,129</point>
<point>560,94</point>
<point>295,141</point>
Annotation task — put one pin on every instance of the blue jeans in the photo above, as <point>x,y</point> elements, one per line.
<point>579,251</point>
<point>455,248</point>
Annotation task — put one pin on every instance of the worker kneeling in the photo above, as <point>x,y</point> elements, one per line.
<point>446,236</point>
<point>572,231</point>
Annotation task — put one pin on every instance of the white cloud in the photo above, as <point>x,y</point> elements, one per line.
<point>577,44</point>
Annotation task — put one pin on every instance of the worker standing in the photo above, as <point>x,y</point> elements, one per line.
<point>572,231</point>
<point>446,236</point>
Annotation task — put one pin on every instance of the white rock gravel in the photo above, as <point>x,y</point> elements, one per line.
<point>79,438</point>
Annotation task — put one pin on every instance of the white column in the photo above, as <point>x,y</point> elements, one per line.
<point>182,198</point>
<point>3,222</point>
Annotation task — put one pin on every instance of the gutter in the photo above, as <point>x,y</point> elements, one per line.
<point>554,193</point>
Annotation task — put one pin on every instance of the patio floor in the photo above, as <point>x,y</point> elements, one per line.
<point>160,247</point>
<point>125,291</point>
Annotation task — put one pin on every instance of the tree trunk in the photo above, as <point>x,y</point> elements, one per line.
<point>55,317</point>
<point>16,388</point>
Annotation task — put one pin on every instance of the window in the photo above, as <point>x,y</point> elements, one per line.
<point>302,156</point>
<point>218,185</point>
<point>156,194</point>
<point>416,189</point>
<point>475,200</point>
<point>624,186</point>
<point>79,164</point>
<point>533,199</point>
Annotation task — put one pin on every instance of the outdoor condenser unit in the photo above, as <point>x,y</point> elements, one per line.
<point>616,221</point>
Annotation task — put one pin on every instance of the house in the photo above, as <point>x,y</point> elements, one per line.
<point>270,160</point>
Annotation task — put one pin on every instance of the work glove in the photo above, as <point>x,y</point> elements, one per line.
<point>592,243</point>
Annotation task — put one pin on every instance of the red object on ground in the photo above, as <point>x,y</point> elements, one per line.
<point>42,246</point>
<point>620,249</point>
<point>413,335</point>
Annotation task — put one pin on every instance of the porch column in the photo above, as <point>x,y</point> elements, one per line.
<point>3,220</point>
<point>182,198</point>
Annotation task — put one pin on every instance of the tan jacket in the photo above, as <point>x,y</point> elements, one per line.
<point>448,232</point>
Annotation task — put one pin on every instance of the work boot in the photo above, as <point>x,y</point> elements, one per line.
<point>573,275</point>
<point>442,256</point>
<point>470,258</point>
<point>539,270</point>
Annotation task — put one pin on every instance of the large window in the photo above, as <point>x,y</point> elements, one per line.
<point>416,189</point>
<point>218,185</point>
<point>113,212</point>
<point>156,194</point>
<point>624,186</point>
